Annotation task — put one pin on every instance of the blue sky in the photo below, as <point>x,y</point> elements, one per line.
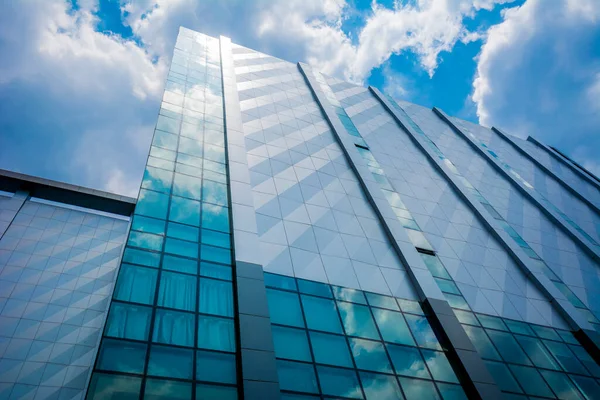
<point>81,80</point>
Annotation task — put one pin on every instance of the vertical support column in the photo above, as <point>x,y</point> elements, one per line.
<point>259,369</point>
<point>10,210</point>
<point>471,370</point>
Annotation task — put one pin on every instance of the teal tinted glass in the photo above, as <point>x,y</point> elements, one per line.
<point>314,288</point>
<point>586,360</point>
<point>503,376</point>
<point>508,347</point>
<point>149,225</point>
<point>158,389</point>
<point>565,357</point>
<point>213,192</point>
<point>392,326</point>
<point>157,179</point>
<point>330,349</point>
<point>321,314</point>
<point>561,384</point>
<point>481,342</point>
<point>291,343</point>
<point>218,271</point>
<point>215,367</point>
<point>214,238</point>
<point>128,321</point>
<point>180,231</point>
<point>488,321</point>
<point>173,327</point>
<point>451,392</point>
<point>350,295</point>
<point>187,186</point>
<point>409,306</point>
<point>216,333</point>
<point>370,355</point>
<point>152,204</point>
<point>422,332</point>
<point>211,392</point>
<point>177,291</point>
<point>116,386</point>
<point>531,381</point>
<point>280,281</point>
<point>545,332</point>
<point>215,254</point>
<point>439,366</point>
<point>377,386</point>
<point>297,377</point>
<point>136,284</point>
<point>284,308</point>
<point>519,327</point>
<point>466,317</point>
<point>418,389</point>
<point>588,386</point>
<point>216,297</point>
<point>435,266</point>
<point>146,241</point>
<point>121,356</point>
<point>141,257</point>
<point>447,286</point>
<point>339,382</point>
<point>179,264</point>
<point>377,300</point>
<point>537,352</point>
<point>170,362</point>
<point>357,320</point>
<point>407,361</point>
<point>457,301</point>
<point>215,217</point>
<point>181,247</point>
<point>184,211</point>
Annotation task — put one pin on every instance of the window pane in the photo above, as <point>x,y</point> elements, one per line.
<point>152,204</point>
<point>451,392</point>
<point>561,385</point>
<point>213,192</point>
<point>586,360</point>
<point>407,361</point>
<point>104,387</point>
<point>216,297</point>
<point>184,232</point>
<point>378,386</point>
<point>164,140</point>
<point>214,238</point>
<point>330,349</point>
<point>158,389</point>
<point>439,366</point>
<point>136,284</point>
<point>457,301</point>
<point>321,314</point>
<point>297,377</point>
<point>216,333</point>
<point>215,217</point>
<point>418,389</point>
<point>466,317</point>
<point>181,247</point>
<point>357,320</point>
<point>179,264</point>
<point>435,266</point>
<point>185,211</point>
<point>422,332</point>
<point>128,321</point>
<point>409,306</point>
<point>589,387</point>
<point>157,179</point>
<point>211,270</point>
<point>122,356</point>
<point>284,308</point>
<point>141,257</point>
<point>537,352</point>
<point>377,300</point>
<point>187,186</point>
<point>481,342</point>
<point>168,124</point>
<point>215,367</point>
<point>209,392</point>
<point>280,281</point>
<point>145,240</point>
<point>190,146</point>
<point>531,381</point>
<point>291,343</point>
<point>503,377</point>
<point>351,295</point>
<point>314,288</point>
<point>545,332</point>
<point>170,362</point>
<point>508,347</point>
<point>172,327</point>
<point>392,326</point>
<point>215,254</point>
<point>370,355</point>
<point>488,321</point>
<point>519,327</point>
<point>339,382</point>
<point>150,225</point>
<point>565,357</point>
<point>177,291</point>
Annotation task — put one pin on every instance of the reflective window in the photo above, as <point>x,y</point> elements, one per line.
<point>392,326</point>
<point>284,308</point>
<point>115,356</point>
<point>439,366</point>
<point>408,361</point>
<point>357,320</point>
<point>215,367</point>
<point>291,343</point>
<point>370,355</point>
<point>330,349</point>
<point>377,386</point>
<point>216,333</point>
<point>170,362</point>
<point>128,321</point>
<point>177,291</point>
<point>160,389</point>
<point>418,389</point>
<point>531,381</point>
<point>321,314</point>
<point>297,377</point>
<point>339,382</point>
<point>216,297</point>
<point>136,284</point>
<point>173,327</point>
<point>116,386</point>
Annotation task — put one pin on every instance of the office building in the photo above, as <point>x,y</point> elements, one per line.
<point>300,237</point>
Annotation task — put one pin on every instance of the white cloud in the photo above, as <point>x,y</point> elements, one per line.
<point>538,74</point>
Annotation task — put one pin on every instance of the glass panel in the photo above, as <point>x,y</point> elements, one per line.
<point>214,193</point>
<point>164,140</point>
<point>451,392</point>
<point>508,347</point>
<point>284,308</point>
<point>488,321</point>
<point>104,387</point>
<point>122,356</point>
<point>297,377</point>
<point>531,381</point>
<point>136,284</point>
<point>184,232</point>
<point>370,355</point>
<point>215,238</point>
<point>357,320</point>
<point>168,124</point>
<point>439,366</point>
<point>215,254</point>
<point>216,333</point>
<point>422,332</point>
<point>177,291</point>
<point>280,281</point>
<point>545,332</point>
<point>152,204</point>
<point>157,179</point>
<point>172,327</point>
<point>187,186</point>
<point>407,361</point>
<point>392,326</point>
<point>418,389</point>
<point>291,343</point>
<point>181,247</point>
<point>565,357</point>
<point>211,270</point>
<point>141,257</point>
<point>321,314</point>
<point>179,264</point>
<point>314,288</point>
<point>537,352</point>
<point>128,321</point>
<point>339,382</point>
<point>435,266</point>
<point>216,297</point>
<point>170,362</point>
<point>158,389</point>
<point>185,211</point>
<point>330,349</point>
<point>215,217</point>
<point>481,342</point>
<point>350,295</point>
<point>466,317</point>
<point>409,306</point>
<point>215,367</point>
<point>377,300</point>
<point>150,225</point>
<point>145,240</point>
<point>378,386</point>
<point>503,377</point>
<point>209,392</point>
<point>587,386</point>
<point>561,385</point>
<point>519,327</point>
<point>457,301</point>
<point>586,359</point>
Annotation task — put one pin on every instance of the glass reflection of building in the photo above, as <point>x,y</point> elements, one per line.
<point>300,237</point>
